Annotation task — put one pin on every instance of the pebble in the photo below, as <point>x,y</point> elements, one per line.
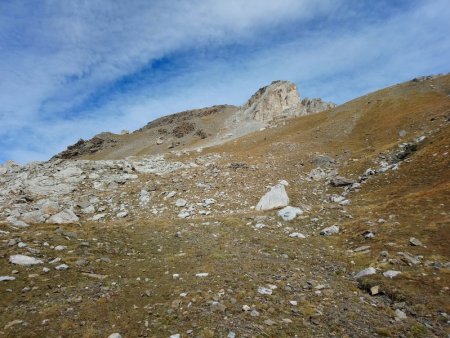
<point>122,214</point>
<point>362,248</point>
<point>264,291</point>
<point>391,273</point>
<point>115,335</point>
<point>60,248</point>
<point>180,202</point>
<point>334,229</point>
<point>374,290</point>
<point>415,242</point>
<point>365,272</point>
<point>246,308</point>
<point>6,278</point>
<point>297,235</point>
<point>62,267</point>
<point>254,313</point>
<point>202,274</point>
<point>400,315</point>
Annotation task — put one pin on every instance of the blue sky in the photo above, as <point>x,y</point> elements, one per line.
<point>72,69</point>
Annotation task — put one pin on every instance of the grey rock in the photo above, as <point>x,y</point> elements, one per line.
<point>115,335</point>
<point>36,216</point>
<point>365,272</point>
<point>408,258</point>
<point>62,267</point>
<point>340,181</point>
<point>391,273</point>
<point>332,230</point>
<point>415,242</point>
<point>181,202</point>
<point>400,315</point>
<point>64,217</point>
<point>24,260</point>
<point>6,278</point>
<point>289,213</point>
<point>274,199</point>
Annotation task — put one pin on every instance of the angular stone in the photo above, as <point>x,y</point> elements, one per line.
<point>289,213</point>
<point>334,229</point>
<point>340,181</point>
<point>274,199</point>
<point>415,242</point>
<point>24,260</point>
<point>64,217</point>
<point>366,272</point>
<point>391,273</point>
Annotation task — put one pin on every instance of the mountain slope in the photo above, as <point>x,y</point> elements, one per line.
<point>201,127</point>
<point>168,244</point>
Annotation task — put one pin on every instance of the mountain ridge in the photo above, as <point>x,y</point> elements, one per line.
<point>207,126</point>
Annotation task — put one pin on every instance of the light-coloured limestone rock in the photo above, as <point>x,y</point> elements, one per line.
<point>275,198</point>
<point>24,260</point>
<point>63,217</point>
<point>289,213</point>
<point>279,99</point>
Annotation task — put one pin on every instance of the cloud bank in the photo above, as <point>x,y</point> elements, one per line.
<point>71,69</point>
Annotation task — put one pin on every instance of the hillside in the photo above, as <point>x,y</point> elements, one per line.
<point>200,128</point>
<point>150,241</point>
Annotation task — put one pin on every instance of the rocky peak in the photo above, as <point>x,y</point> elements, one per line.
<point>271,101</point>
<point>280,99</point>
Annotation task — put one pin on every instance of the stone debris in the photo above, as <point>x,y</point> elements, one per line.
<point>297,235</point>
<point>202,274</point>
<point>391,273</point>
<point>408,258</point>
<point>289,213</point>
<point>264,291</point>
<point>415,242</point>
<point>366,272</point>
<point>400,315</point>
<point>6,278</point>
<point>62,267</point>
<point>115,335</point>
<point>340,181</point>
<point>24,260</point>
<point>332,230</point>
<point>275,198</point>
<point>64,217</point>
<point>180,202</point>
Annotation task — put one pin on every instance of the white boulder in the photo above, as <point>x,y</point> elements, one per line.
<point>275,198</point>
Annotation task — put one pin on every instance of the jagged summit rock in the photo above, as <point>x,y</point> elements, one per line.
<point>271,101</point>
<point>279,99</point>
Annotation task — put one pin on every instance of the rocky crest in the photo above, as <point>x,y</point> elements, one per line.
<point>217,124</point>
<point>280,99</point>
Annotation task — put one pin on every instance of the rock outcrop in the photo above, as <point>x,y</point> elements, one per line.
<point>277,100</point>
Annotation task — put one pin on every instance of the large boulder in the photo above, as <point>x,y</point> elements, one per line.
<point>275,198</point>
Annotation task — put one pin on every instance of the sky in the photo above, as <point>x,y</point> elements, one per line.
<point>72,69</point>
